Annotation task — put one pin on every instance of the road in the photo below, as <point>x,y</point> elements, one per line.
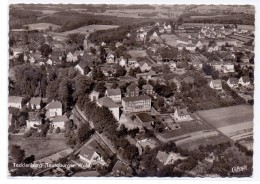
<point>101,139</point>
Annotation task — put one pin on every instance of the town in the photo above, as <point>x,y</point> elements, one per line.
<point>165,91</point>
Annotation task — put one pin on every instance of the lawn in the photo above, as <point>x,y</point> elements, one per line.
<point>43,26</point>
<point>227,116</point>
<point>40,148</point>
<point>170,39</point>
<point>185,128</point>
<point>208,141</point>
<point>137,53</point>
<point>90,28</point>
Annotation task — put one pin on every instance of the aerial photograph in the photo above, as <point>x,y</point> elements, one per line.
<point>130,90</point>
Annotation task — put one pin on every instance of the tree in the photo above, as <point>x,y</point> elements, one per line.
<point>100,87</point>
<point>83,133</point>
<point>65,93</point>
<point>17,153</point>
<point>120,71</point>
<point>141,82</point>
<point>180,21</point>
<point>57,131</point>
<point>207,69</point>
<point>215,74</point>
<point>45,50</point>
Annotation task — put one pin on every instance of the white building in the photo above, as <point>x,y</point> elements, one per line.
<point>15,101</point>
<point>114,94</point>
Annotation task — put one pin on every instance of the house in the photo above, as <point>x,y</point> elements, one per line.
<point>132,62</point>
<point>213,47</point>
<point>181,114</point>
<point>244,81</point>
<point>146,75</point>
<point>141,36</point>
<point>59,121</point>
<point>110,104</point>
<point>245,59</point>
<point>54,108</point>
<point>110,58</point>
<point>197,64</point>
<point>34,120</point>
<point>82,67</point>
<point>132,90</point>
<point>15,101</point>
<point>168,158</point>
<point>71,57</point>
<point>145,66</point>
<point>232,82</point>
<point>49,62</point>
<point>10,119</point>
<point>122,62</point>
<point>35,103</point>
<point>108,70</point>
<point>94,95</point>
<point>188,80</point>
<point>118,44</point>
<point>217,65</point>
<point>172,65</point>
<point>142,143</point>
<point>121,169</point>
<point>114,94</point>
<point>190,47</point>
<point>228,68</point>
<point>146,120</point>
<point>147,89</point>
<point>216,84</point>
<point>136,103</point>
<point>90,157</point>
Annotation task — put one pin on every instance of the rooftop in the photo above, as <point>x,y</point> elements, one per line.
<point>136,98</point>
<point>15,99</point>
<point>113,92</point>
<point>54,105</point>
<point>107,102</point>
<point>62,118</point>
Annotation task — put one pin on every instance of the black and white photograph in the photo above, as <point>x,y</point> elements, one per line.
<point>130,90</point>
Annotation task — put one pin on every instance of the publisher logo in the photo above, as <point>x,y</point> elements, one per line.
<point>238,169</point>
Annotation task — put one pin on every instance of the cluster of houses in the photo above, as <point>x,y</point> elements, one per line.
<point>35,105</point>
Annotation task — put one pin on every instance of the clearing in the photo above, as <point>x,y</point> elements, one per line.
<point>222,117</point>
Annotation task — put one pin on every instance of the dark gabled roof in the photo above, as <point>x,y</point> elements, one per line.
<point>122,167</point>
<point>15,99</point>
<point>83,64</point>
<point>245,79</point>
<point>113,92</point>
<point>62,118</point>
<point>54,105</point>
<point>144,117</point>
<point>87,152</point>
<point>233,80</point>
<point>162,156</point>
<point>33,116</point>
<point>147,87</point>
<point>132,86</point>
<point>107,102</point>
<point>35,101</point>
<point>136,98</point>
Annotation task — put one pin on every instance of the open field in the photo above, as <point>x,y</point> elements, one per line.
<point>40,148</point>
<point>90,29</point>
<point>82,30</point>
<point>170,39</point>
<point>222,117</point>
<point>208,141</point>
<point>42,26</point>
<point>137,53</point>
